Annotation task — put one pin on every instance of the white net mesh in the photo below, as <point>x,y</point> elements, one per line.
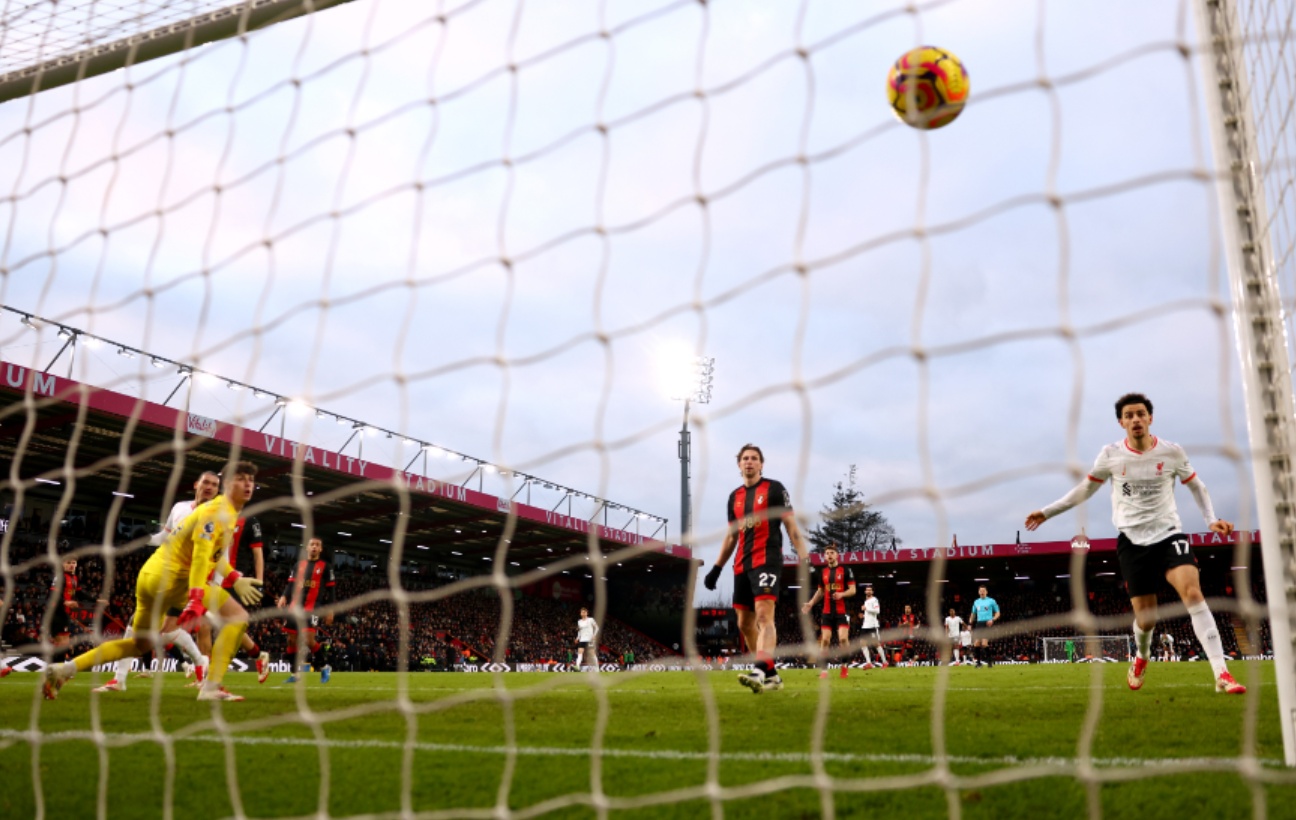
<point>419,261</point>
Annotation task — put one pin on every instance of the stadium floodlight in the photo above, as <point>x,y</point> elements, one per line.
<point>158,363</point>
<point>65,333</point>
<point>233,385</point>
<point>689,379</point>
<point>125,352</point>
<point>27,320</point>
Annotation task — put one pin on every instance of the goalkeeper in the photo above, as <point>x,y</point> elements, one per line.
<point>180,574</point>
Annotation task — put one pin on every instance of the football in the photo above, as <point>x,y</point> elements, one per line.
<point>927,87</point>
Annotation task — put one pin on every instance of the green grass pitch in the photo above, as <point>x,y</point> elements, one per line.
<point>1011,734</point>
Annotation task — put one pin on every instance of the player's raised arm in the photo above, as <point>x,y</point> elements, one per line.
<point>1079,494</point>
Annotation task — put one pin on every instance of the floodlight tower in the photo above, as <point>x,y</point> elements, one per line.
<point>696,389</point>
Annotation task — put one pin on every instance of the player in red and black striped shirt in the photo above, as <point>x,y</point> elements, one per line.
<point>836,584</point>
<point>311,584</point>
<point>65,590</point>
<point>756,510</point>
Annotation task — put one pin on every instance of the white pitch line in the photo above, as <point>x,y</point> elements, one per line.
<point>115,739</point>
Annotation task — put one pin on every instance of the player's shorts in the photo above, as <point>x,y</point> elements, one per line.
<point>873,634</point>
<point>311,618</point>
<point>582,644</point>
<point>60,625</point>
<point>1144,568</point>
<point>981,630</point>
<point>154,599</point>
<point>759,584</point>
<point>830,620</point>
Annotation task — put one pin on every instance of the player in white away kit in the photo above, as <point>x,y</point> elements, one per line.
<point>1151,546</point>
<point>870,618</point>
<point>1167,647</point>
<point>586,629</point>
<point>205,489</point>
<point>965,640</point>
<point>953,630</point>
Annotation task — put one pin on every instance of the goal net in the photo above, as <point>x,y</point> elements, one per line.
<point>1106,648</point>
<point>435,269</point>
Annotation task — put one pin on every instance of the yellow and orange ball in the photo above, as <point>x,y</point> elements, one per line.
<point>927,87</point>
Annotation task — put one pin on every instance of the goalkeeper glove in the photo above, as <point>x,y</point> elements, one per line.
<point>193,610</point>
<point>248,590</point>
<point>711,578</point>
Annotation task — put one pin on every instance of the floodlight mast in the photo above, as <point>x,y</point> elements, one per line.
<point>702,372</point>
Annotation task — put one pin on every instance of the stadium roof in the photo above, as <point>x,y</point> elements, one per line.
<point>102,450</point>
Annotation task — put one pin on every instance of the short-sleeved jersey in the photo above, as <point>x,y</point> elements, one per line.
<point>316,582</point>
<point>983,609</point>
<point>965,637</point>
<point>834,579</point>
<point>586,629</point>
<point>67,590</point>
<point>953,626</point>
<point>872,609</point>
<point>910,622</point>
<point>247,537</point>
<point>1143,505</point>
<point>757,513</point>
<point>1167,639</point>
<point>196,550</point>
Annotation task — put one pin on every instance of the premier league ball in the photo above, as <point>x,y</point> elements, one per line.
<point>927,88</point>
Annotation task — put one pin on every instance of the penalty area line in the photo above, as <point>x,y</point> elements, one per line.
<point>122,739</point>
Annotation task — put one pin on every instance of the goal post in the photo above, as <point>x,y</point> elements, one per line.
<point>1230,79</point>
<point>49,52</point>
<point>1089,647</point>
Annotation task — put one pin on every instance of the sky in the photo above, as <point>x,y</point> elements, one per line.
<point>487,225</point>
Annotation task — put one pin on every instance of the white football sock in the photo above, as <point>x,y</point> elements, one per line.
<point>867,657</point>
<point>185,641</point>
<point>121,671</point>
<point>1143,641</point>
<point>1208,633</point>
